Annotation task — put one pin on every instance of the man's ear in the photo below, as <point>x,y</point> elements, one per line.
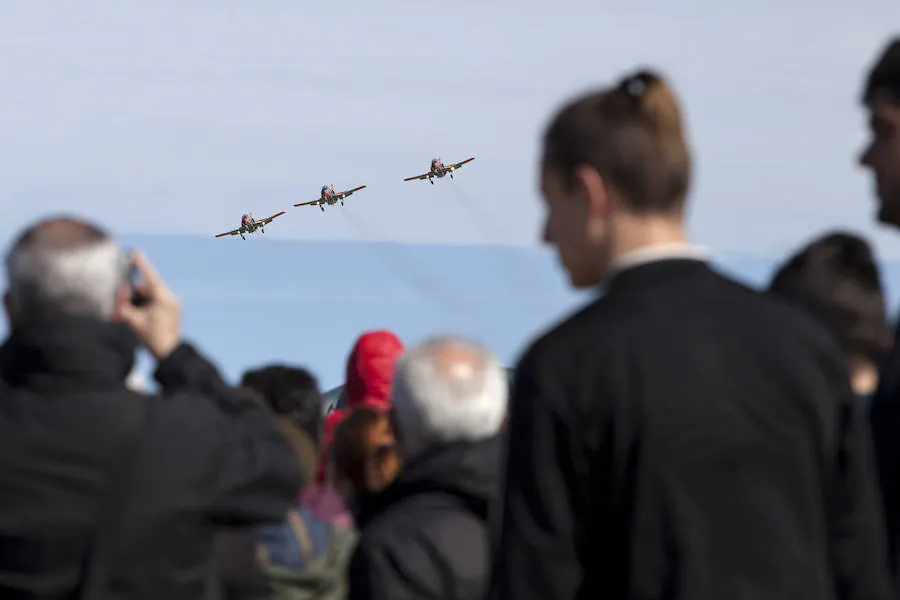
<point>592,189</point>
<point>123,297</point>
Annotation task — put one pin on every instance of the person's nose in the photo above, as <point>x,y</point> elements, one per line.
<point>865,157</point>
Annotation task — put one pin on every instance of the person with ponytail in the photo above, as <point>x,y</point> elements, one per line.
<point>682,435</point>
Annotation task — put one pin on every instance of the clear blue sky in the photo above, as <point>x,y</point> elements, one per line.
<point>177,116</point>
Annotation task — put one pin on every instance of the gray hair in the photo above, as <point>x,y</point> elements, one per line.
<point>447,389</point>
<point>64,266</point>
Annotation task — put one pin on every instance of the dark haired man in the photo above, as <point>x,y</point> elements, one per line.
<point>291,393</point>
<point>881,97</point>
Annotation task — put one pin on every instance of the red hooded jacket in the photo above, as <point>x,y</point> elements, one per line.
<point>369,380</point>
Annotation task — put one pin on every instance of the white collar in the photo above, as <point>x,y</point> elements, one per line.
<point>649,254</point>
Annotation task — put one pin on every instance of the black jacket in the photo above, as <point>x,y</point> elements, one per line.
<point>207,457</point>
<point>426,536</point>
<point>685,437</point>
<point>885,421</point>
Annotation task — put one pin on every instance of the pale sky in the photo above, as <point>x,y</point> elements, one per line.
<point>176,116</point>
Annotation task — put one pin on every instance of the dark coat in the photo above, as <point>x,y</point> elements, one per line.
<point>885,421</point>
<point>426,536</point>
<point>207,457</point>
<point>685,437</point>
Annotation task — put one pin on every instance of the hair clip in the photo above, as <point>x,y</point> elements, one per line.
<point>635,87</point>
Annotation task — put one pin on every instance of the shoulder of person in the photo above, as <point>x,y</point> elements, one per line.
<point>576,337</point>
<point>782,317</point>
<point>429,514</point>
<point>193,415</point>
<point>796,334</point>
<point>426,553</point>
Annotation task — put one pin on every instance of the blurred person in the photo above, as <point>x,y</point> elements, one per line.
<point>364,455</point>
<point>836,280</point>
<point>235,549</point>
<point>682,436</point>
<point>881,97</point>
<point>368,380</point>
<point>426,535</point>
<point>306,555</point>
<point>107,492</point>
<point>294,395</point>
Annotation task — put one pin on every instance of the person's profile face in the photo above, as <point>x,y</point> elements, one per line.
<point>882,156</point>
<point>569,229</point>
<point>381,455</point>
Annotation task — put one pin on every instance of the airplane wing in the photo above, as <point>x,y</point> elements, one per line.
<point>268,220</point>
<point>422,176</point>
<point>348,192</point>
<point>310,203</point>
<point>459,164</point>
<point>232,232</point>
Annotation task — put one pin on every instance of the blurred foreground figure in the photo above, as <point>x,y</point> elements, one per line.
<point>426,535</point>
<point>307,554</point>
<point>294,396</point>
<point>835,279</point>
<point>103,488</point>
<point>881,96</point>
<point>682,436</point>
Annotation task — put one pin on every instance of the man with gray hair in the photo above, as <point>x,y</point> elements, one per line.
<point>426,535</point>
<point>104,488</point>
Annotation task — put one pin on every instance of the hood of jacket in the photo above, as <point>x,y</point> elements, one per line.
<point>468,471</point>
<point>370,369</point>
<point>66,353</point>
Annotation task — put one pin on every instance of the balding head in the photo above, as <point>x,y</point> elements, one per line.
<point>447,389</point>
<point>63,266</point>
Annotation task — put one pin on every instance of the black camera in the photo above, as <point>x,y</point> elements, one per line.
<point>137,298</point>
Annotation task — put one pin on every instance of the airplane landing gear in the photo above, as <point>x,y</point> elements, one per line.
<point>432,181</point>
<point>261,229</point>
<point>342,202</point>
<point>322,208</point>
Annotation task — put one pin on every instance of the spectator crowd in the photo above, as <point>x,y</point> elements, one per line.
<point>681,436</point>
